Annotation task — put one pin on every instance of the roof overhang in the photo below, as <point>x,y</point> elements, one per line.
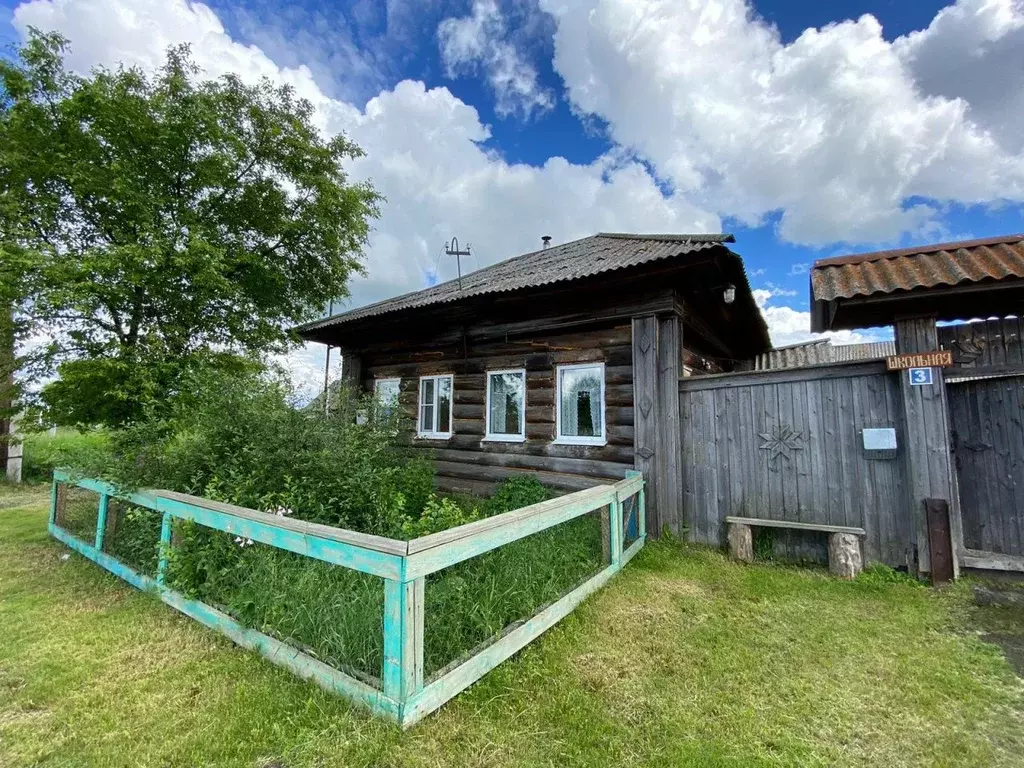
<point>948,281</point>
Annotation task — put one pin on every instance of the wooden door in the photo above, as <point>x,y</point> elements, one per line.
<point>988,445</point>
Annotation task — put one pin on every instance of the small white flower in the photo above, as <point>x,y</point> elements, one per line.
<point>243,542</point>
<point>64,557</point>
<point>281,511</point>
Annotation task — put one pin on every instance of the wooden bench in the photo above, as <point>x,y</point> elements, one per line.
<point>844,555</point>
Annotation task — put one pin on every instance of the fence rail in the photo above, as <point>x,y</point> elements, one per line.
<point>403,695</point>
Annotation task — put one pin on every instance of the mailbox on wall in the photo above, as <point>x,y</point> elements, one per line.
<point>879,442</point>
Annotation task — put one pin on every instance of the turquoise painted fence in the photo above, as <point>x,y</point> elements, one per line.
<point>403,694</point>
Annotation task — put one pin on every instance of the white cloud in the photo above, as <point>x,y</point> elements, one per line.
<point>791,326</point>
<point>832,129</point>
<point>423,153</point>
<point>481,40</point>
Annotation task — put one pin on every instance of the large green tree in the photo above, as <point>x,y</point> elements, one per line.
<point>174,222</point>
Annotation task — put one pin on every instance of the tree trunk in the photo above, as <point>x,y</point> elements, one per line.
<point>6,384</point>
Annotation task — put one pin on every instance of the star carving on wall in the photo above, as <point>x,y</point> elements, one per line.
<point>780,444</point>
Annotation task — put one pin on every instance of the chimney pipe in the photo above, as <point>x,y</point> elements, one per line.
<point>546,239</point>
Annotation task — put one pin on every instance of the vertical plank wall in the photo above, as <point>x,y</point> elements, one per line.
<point>814,417</point>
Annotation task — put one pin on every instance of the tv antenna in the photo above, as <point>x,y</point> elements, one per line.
<point>452,249</point>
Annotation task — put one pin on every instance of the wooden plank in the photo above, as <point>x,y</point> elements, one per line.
<point>597,496</point>
<point>295,661</point>
<point>496,474</point>
<point>781,376</point>
<point>165,548</point>
<point>435,558</point>
<point>341,535</point>
<point>991,561</point>
<point>796,525</point>
<point>385,565</point>
<point>940,548</point>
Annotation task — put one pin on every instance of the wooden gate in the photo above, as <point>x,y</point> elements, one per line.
<point>988,449</point>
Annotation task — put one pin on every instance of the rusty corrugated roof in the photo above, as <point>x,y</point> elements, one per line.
<point>589,256</point>
<point>967,261</point>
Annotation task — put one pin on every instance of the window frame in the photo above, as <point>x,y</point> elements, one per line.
<point>561,439</point>
<point>501,437</point>
<point>430,434</point>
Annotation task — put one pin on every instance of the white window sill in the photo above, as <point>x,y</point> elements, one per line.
<point>591,441</point>
<point>504,439</point>
<point>434,436</point>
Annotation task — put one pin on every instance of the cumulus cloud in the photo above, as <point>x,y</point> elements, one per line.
<point>792,326</point>
<point>423,150</point>
<point>837,129</point>
<point>481,41</point>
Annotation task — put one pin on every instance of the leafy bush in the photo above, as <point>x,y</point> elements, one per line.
<point>516,492</point>
<point>43,451</point>
<point>881,575</point>
<point>242,440</point>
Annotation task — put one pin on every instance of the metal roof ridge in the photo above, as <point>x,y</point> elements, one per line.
<point>707,237</point>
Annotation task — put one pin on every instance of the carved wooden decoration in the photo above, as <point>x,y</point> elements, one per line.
<point>780,444</point>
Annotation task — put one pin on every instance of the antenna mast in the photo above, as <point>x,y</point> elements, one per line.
<point>452,249</point>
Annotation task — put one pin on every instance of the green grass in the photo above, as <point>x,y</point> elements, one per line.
<point>683,659</point>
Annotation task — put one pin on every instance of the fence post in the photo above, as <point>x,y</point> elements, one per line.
<point>53,501</point>
<point>101,521</point>
<point>165,546</point>
<point>403,638</point>
<point>615,511</point>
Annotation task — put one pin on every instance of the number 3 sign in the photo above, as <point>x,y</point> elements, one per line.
<point>920,376</point>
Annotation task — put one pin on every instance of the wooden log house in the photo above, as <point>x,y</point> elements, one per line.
<point>563,363</point>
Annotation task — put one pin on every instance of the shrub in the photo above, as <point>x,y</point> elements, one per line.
<point>69,447</point>
<point>514,493</point>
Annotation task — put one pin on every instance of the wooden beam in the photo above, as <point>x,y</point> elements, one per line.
<point>991,561</point>
<point>668,459</point>
<point>781,376</point>
<point>645,413</point>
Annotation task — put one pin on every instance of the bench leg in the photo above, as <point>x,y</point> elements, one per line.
<point>844,558</point>
<point>741,542</point>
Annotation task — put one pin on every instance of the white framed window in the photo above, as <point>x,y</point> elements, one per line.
<point>386,392</point>
<point>580,404</point>
<point>435,409</point>
<point>506,406</point>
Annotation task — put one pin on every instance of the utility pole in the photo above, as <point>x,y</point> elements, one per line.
<point>452,249</point>
<point>327,367</point>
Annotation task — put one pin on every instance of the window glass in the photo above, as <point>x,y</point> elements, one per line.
<point>581,402</point>
<point>506,403</point>
<point>444,405</point>
<point>387,391</point>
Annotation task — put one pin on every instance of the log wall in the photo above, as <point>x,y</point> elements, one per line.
<point>466,461</point>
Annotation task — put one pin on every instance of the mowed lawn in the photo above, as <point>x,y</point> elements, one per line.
<point>684,659</point>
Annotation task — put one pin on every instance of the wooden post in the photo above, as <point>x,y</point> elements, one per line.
<point>615,517</point>
<point>402,675</point>
<point>645,414</point>
<point>165,547</point>
<point>657,446</point>
<point>351,369</point>
<point>927,442</point>
<point>101,520</point>
<point>668,460</point>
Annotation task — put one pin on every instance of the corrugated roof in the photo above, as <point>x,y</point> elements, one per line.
<point>821,352</point>
<point>589,256</point>
<point>967,261</point>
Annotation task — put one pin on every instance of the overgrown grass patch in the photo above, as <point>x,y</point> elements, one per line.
<point>683,659</point>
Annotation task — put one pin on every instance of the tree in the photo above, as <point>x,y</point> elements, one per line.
<point>177,222</point>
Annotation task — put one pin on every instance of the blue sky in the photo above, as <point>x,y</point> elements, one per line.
<point>805,129</point>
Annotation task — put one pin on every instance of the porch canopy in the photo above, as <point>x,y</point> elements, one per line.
<point>947,281</point>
